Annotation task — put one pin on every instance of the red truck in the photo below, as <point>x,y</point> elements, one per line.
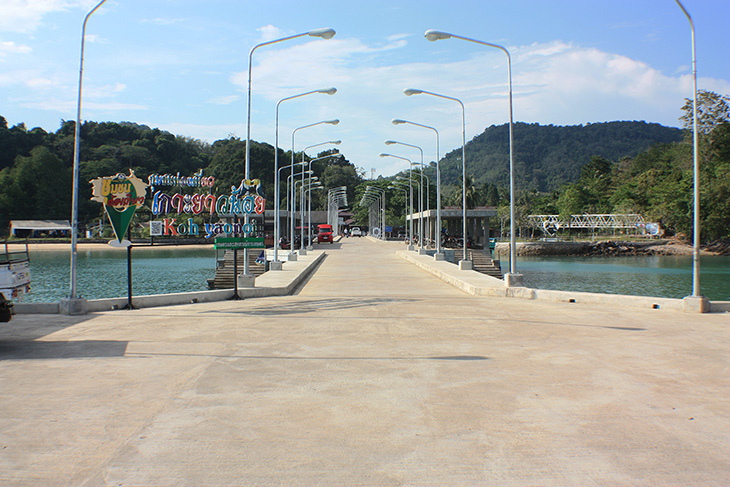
<point>324,233</point>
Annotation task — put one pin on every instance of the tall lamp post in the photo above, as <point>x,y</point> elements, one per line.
<point>75,305</point>
<point>325,33</point>
<point>439,255</point>
<point>410,185</point>
<point>405,199</point>
<point>309,165</point>
<point>511,278</point>
<point>292,255</point>
<point>695,302</point>
<point>276,264</point>
<point>420,220</point>
<point>465,263</point>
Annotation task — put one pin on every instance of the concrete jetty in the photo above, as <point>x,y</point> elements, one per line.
<point>372,372</point>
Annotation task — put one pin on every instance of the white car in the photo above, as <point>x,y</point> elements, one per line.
<point>356,232</point>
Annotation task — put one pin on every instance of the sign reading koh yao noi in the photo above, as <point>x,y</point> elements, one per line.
<point>245,199</point>
<point>121,196</point>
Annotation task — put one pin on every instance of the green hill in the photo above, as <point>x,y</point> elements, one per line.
<point>548,156</point>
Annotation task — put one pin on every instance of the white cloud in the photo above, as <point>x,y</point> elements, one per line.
<point>224,100</point>
<point>555,82</point>
<point>25,16</point>
<point>10,47</point>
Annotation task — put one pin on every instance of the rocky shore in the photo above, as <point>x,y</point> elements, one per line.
<point>610,247</point>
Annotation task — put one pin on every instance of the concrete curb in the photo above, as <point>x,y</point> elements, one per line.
<point>272,283</point>
<point>477,284</point>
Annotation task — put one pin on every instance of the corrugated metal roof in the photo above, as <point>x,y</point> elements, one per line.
<point>40,225</point>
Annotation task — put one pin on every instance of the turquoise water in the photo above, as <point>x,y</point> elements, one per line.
<point>103,273</point>
<point>657,276</point>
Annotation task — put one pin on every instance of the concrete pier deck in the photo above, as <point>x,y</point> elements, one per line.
<point>373,372</point>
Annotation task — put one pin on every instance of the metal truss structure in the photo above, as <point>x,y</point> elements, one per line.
<point>551,223</point>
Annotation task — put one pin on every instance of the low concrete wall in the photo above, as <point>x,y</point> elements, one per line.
<point>272,283</point>
<point>475,283</point>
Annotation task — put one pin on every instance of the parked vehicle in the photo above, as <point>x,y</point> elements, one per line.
<point>356,232</point>
<point>324,233</point>
<point>14,279</point>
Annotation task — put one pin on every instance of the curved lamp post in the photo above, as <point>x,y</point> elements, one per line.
<point>276,265</point>
<point>702,305</point>
<point>438,255</point>
<point>292,255</point>
<point>464,264</point>
<point>420,220</point>
<point>325,33</point>
<point>410,242</point>
<point>309,165</point>
<point>75,191</point>
<point>512,278</point>
<point>405,201</point>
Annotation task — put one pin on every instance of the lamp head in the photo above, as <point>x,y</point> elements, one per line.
<point>383,154</point>
<point>333,122</point>
<point>325,33</point>
<point>336,142</point>
<point>411,91</point>
<point>435,35</point>
<point>397,121</point>
<point>390,142</point>
<point>328,91</point>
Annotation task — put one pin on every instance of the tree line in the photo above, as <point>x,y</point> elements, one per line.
<point>36,167</point>
<point>615,167</point>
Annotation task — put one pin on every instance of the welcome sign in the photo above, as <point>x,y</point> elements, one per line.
<point>246,199</point>
<point>121,196</point>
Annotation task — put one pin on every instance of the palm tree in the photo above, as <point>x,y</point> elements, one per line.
<point>472,194</point>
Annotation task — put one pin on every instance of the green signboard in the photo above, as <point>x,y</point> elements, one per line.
<point>240,243</point>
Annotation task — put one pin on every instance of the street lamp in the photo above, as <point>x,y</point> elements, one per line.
<point>276,265</point>
<point>335,196</point>
<point>405,201</point>
<point>410,242</point>
<point>511,278</point>
<point>438,255</point>
<point>464,264</point>
<point>309,165</point>
<point>292,255</point>
<point>288,205</point>
<point>420,219</point>
<point>325,33</point>
<point>73,302</point>
<point>702,304</point>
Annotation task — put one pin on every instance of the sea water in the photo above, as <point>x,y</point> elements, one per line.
<point>656,276</point>
<point>103,274</point>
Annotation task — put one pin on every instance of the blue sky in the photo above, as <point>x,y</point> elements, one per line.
<point>181,65</point>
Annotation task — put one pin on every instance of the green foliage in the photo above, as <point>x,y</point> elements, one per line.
<point>36,167</point>
<point>546,157</point>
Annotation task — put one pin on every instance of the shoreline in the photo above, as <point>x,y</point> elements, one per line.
<point>66,247</point>
<point>598,248</point>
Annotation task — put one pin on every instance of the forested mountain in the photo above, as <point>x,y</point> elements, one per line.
<point>548,156</point>
<point>36,166</point>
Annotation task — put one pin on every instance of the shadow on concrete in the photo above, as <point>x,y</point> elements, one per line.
<point>29,327</point>
<point>583,325</point>
<point>327,246</point>
<point>455,358</point>
<point>298,288</point>
<point>40,350</point>
<point>316,305</point>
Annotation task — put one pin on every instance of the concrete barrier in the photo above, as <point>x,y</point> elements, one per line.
<point>475,283</point>
<point>278,283</point>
